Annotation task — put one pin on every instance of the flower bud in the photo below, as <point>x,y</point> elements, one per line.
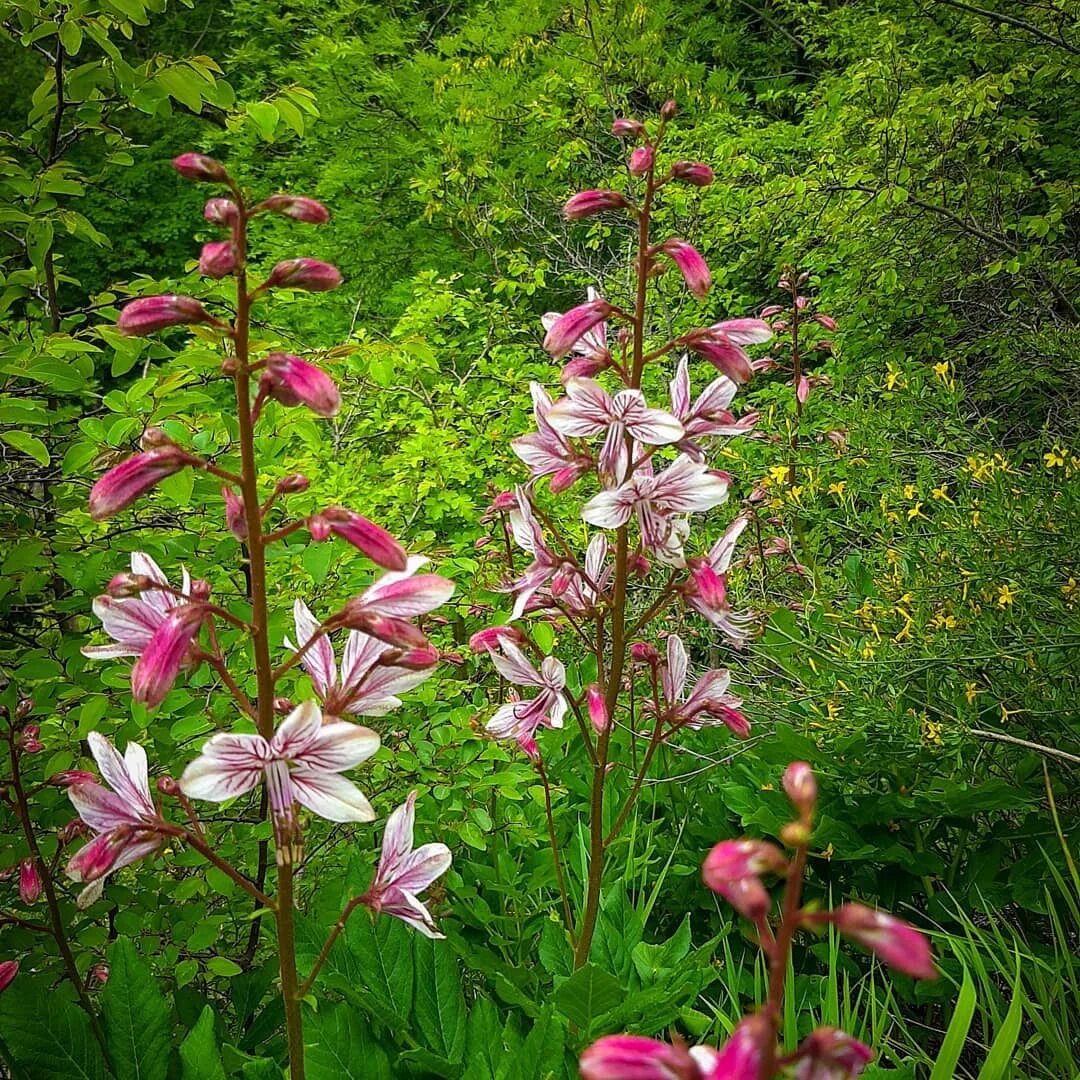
<point>310,274</point>
<point>801,787</point>
<point>796,834</point>
<point>418,659</point>
<point>217,259</point>
<point>126,482</point>
<point>149,314</point>
<point>30,731</point>
<point>123,586</point>
<point>8,970</point>
<point>74,828</point>
<point>235,517</point>
<point>297,207</point>
<point>692,266</point>
<point>100,973</point>
<point>693,172</point>
<point>222,212</point>
<point>24,708</point>
<point>293,484</point>
<point>641,160</point>
<point>635,1057</point>
<point>397,632</point>
<point>32,746</point>
<point>568,328</point>
<point>595,201</point>
<point>644,653</point>
<point>167,785</point>
<point>830,1054</point>
<point>625,128</point>
<point>493,636</point>
<point>561,580</point>
<point>638,565</point>
<point>200,168</point>
<point>598,712</point>
<point>825,320</point>
<point>29,882</point>
<point>364,535</point>
<point>292,381</point>
<point>894,941</point>
<point>159,664</point>
<point>528,745</point>
<point>283,706</point>
<point>67,777</point>
<point>743,1055</point>
<point>200,589</point>
<point>669,109</point>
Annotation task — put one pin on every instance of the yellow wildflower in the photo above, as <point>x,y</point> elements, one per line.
<point>837,489</point>
<point>915,511</point>
<point>778,474</point>
<point>1006,595</point>
<point>971,691</point>
<point>941,493</point>
<point>909,491</point>
<point>941,370</point>
<point>1070,588</point>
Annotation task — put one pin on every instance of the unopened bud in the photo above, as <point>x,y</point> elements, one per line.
<point>644,653</point>
<point>293,484</point>
<point>669,109</point>
<point>200,168</point>
<point>314,275</point>
<point>217,259</point>
<point>221,212</point>
<point>155,438</point>
<point>29,882</point>
<point>625,128</point>
<point>801,787</point>
<point>693,172</point>
<point>796,834</point>
<point>641,160</point>
<point>283,706</point>
<point>99,973</point>
<point>68,777</point>
<point>123,586</point>
<point>167,785</point>
<point>297,207</point>
<point>24,708</point>
<point>598,711</point>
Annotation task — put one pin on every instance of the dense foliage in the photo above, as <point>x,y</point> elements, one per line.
<point>913,552</point>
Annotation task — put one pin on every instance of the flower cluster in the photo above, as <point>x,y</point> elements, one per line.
<point>737,871</point>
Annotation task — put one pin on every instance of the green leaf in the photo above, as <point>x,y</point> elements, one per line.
<point>135,1017</point>
<point>588,993</point>
<point>999,1058</point>
<point>46,1037</point>
<point>382,951</point>
<point>199,1057</point>
<point>223,966</point>
<point>265,117</point>
<point>438,1002</point>
<point>340,1046</point>
<point>956,1035</point>
<point>28,444</point>
<point>71,36</point>
<point>541,1056</point>
<point>39,238</point>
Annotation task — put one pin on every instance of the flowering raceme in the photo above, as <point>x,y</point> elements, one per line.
<point>171,630</point>
<point>636,473</point>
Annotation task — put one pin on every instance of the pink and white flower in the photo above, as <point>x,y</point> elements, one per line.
<point>708,701</point>
<point>705,590</point>
<point>635,1057</point>
<point>383,609</point>
<point>403,873</point>
<point>581,591</point>
<point>530,538</point>
<point>893,941</point>
<point>722,345</point>
<point>518,719</point>
<point>546,451</point>
<point>301,764</point>
<point>124,819</point>
<point>123,484</point>
<point>589,410</point>
<point>684,487</point>
<point>566,330</point>
<point>831,1054</point>
<point>589,354</point>
<point>708,416</point>
<point>368,682</point>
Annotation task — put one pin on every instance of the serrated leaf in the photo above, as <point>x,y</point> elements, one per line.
<point>199,1056</point>
<point>438,1001</point>
<point>340,1046</point>
<point>46,1037</point>
<point>588,993</point>
<point>135,1017</point>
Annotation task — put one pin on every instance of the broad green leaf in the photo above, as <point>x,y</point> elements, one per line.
<point>339,1046</point>
<point>135,1017</point>
<point>438,1002</point>
<point>47,1037</point>
<point>199,1055</point>
<point>588,993</point>
<point>28,444</point>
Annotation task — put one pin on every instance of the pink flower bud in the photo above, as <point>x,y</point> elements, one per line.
<point>297,207</point>
<point>825,320</point>
<point>693,172</point>
<point>100,973</point>
<point>801,787</point>
<point>772,309</point>
<point>199,167</point>
<point>584,367</point>
<point>831,1054</point>
<point>221,212</point>
<point>124,586</point>
<point>292,381</point>
<point>154,438</point>
<point>638,565</point>
<point>30,744</point>
<point>73,829</point>
<point>235,517</point>
<point>293,484</point>
<point>160,662</point>
<point>283,706</point>
<point>644,653</point>
<point>733,859</point>
<point>598,712</point>
<point>200,589</point>
<point>641,160</point>
<point>8,970</point>
<point>491,637</point>
<point>310,274</point>
<point>373,540</point>
<point>595,201</point>
<point>149,314</point>
<point>528,746</point>
<point>569,328</point>
<point>217,259</point>
<point>892,940</point>
<point>691,265</point>
<point>24,708</point>
<point>135,476</point>
<point>29,882</point>
<point>168,785</point>
<point>634,1057</point>
<point>561,580</point>
<point>741,1057</point>
<point>397,632</point>
<point>67,777</point>
<point>669,109</point>
<point>624,128</point>
<point>319,528</point>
